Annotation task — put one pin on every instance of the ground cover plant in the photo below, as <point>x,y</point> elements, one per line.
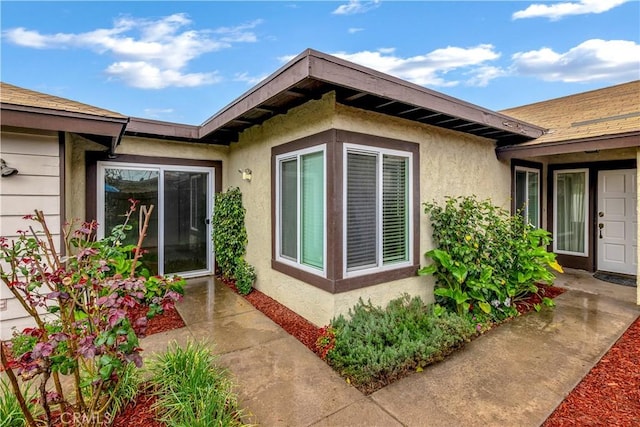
<point>84,331</point>
<point>485,259</point>
<point>373,346</point>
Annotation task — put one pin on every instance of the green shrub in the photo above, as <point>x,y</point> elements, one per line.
<point>192,390</point>
<point>485,259</point>
<point>245,275</point>
<point>375,345</point>
<point>229,232</point>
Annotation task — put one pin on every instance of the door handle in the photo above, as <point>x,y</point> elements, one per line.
<point>600,226</point>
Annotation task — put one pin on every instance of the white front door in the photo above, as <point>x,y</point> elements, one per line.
<point>617,221</point>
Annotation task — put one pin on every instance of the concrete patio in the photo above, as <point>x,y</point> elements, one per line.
<point>514,375</point>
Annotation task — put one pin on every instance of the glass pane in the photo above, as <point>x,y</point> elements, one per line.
<point>185,215</point>
<point>521,192</point>
<point>571,211</point>
<point>533,193</point>
<point>362,201</point>
<point>289,209</point>
<point>312,210</point>
<point>395,200</point>
<point>121,185</point>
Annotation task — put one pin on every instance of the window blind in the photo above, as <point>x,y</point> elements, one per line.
<point>394,209</point>
<point>361,211</point>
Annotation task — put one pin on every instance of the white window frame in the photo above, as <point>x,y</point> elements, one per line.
<point>161,169</point>
<point>379,152</point>
<point>538,172</point>
<point>586,213</point>
<point>297,155</point>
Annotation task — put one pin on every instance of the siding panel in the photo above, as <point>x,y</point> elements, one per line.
<point>37,186</point>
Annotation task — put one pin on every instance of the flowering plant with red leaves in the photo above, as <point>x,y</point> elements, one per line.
<point>79,304</point>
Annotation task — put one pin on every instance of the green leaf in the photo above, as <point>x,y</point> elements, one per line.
<point>548,302</point>
<point>429,269</point>
<point>485,306</point>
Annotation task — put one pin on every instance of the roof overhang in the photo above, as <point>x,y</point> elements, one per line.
<point>312,74</point>
<point>147,128</point>
<point>536,149</point>
<point>101,129</point>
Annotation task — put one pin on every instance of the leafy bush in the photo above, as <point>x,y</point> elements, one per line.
<point>245,275</point>
<point>485,258</point>
<point>229,232</point>
<point>192,390</point>
<point>80,305</point>
<point>375,345</point>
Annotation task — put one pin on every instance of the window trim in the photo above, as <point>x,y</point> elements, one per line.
<point>379,152</point>
<point>556,172</point>
<point>527,169</point>
<point>297,154</point>
<point>334,282</point>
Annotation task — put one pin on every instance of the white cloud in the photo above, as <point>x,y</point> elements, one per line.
<point>149,54</point>
<point>431,68</point>
<point>157,112</point>
<point>560,10</point>
<point>356,6</point>
<point>354,30</point>
<point>144,75</point>
<point>608,60</point>
<point>246,78</point>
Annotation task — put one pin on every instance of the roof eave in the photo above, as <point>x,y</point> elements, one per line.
<point>602,142</point>
<point>326,68</point>
<point>58,120</point>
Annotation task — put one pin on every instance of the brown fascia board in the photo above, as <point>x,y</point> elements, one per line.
<point>156,128</point>
<point>347,74</point>
<point>319,66</point>
<point>284,78</point>
<point>58,120</point>
<point>605,142</point>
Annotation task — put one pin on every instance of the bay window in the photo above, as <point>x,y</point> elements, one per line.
<point>344,210</point>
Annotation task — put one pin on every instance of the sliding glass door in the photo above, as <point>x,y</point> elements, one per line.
<point>178,236</point>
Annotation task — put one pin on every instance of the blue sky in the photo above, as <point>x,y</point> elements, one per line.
<point>184,61</point>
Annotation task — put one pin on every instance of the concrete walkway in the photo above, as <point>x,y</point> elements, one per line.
<point>514,375</point>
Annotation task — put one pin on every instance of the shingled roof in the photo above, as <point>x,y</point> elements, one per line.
<point>611,114</point>
<point>29,99</point>
<point>24,108</point>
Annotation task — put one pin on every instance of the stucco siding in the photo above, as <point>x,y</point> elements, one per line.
<point>451,163</point>
<point>76,155</point>
<point>36,186</point>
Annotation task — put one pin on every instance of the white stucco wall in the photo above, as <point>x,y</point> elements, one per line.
<point>638,228</point>
<point>451,163</point>
<point>36,186</point>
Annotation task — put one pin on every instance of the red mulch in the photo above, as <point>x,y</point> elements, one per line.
<point>168,320</point>
<point>301,329</point>
<point>609,395</point>
<point>139,413</point>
